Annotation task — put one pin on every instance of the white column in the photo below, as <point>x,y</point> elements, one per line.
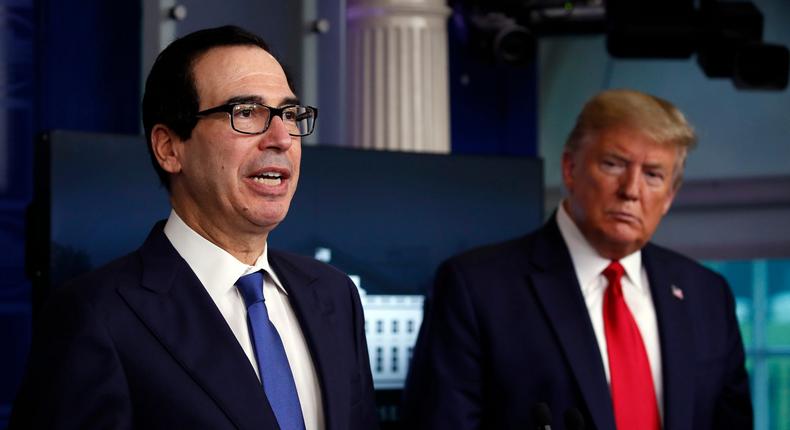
<point>398,75</point>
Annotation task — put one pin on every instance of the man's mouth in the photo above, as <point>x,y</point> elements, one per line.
<point>624,217</point>
<point>268,178</point>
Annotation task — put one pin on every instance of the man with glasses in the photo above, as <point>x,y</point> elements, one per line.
<point>204,326</point>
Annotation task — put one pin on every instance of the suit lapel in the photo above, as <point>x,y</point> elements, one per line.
<point>176,308</point>
<point>674,328</point>
<point>316,319</point>
<point>559,293</point>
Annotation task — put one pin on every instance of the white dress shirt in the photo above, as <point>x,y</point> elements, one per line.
<point>218,271</point>
<point>589,267</point>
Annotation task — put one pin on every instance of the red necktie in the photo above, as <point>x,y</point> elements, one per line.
<point>631,381</point>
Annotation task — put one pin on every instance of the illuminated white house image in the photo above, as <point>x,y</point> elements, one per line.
<point>391,326</point>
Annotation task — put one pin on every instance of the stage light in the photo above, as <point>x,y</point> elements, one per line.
<point>761,67</point>
<point>501,38</point>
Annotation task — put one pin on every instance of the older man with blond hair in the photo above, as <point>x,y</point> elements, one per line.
<point>585,319</point>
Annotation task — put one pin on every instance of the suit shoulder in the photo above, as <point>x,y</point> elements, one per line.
<point>493,254</point>
<point>124,266</point>
<point>308,265</point>
<point>91,297</point>
<point>123,270</point>
<point>680,263</point>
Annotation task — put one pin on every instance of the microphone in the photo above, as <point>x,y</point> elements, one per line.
<point>542,415</point>
<point>573,419</point>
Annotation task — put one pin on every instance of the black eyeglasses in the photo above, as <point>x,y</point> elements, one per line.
<point>255,118</point>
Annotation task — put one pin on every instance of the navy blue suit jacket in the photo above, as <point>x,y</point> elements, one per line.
<point>506,327</point>
<point>140,344</point>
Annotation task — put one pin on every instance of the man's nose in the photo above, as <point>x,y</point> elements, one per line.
<point>276,136</point>
<point>630,184</point>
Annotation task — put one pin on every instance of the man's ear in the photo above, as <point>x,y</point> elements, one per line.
<point>677,180</point>
<point>568,164</point>
<point>166,146</point>
<point>670,198</point>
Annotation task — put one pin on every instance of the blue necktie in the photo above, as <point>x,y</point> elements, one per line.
<point>278,382</point>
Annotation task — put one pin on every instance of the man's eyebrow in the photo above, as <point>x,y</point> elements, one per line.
<point>290,101</point>
<point>245,99</point>
<point>617,156</point>
<point>258,99</point>
<point>654,166</point>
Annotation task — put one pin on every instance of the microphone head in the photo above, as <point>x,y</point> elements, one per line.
<point>574,419</point>
<point>542,415</point>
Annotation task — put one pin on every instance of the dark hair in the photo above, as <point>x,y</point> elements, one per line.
<point>170,96</point>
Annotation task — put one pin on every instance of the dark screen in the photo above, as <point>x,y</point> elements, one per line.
<point>388,217</point>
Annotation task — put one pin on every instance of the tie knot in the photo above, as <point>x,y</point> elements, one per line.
<point>614,272</point>
<point>251,287</point>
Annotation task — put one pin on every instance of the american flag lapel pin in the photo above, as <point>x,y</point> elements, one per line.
<point>677,292</point>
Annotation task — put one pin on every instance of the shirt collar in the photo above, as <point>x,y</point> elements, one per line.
<point>587,263</point>
<point>216,269</point>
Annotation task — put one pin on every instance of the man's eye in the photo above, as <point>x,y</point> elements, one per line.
<point>289,115</point>
<point>245,111</point>
<point>655,177</point>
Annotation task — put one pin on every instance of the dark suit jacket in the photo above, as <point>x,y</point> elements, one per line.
<point>507,327</point>
<point>140,344</point>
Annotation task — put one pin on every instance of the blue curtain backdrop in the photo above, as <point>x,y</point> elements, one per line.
<point>63,64</point>
<point>17,94</point>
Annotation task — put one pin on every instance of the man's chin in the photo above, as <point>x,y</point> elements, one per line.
<point>617,244</point>
<point>268,220</point>
<point>624,247</point>
<point>624,231</point>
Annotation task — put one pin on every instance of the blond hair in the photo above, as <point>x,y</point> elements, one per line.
<point>653,116</point>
